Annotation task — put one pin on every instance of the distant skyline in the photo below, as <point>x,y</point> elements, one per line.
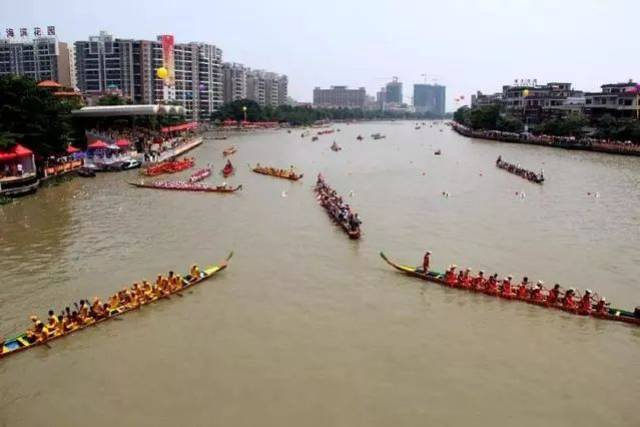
<point>465,45</point>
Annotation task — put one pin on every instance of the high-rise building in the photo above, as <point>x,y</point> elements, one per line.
<point>283,90</point>
<point>429,98</point>
<point>129,67</point>
<point>271,85</point>
<point>41,58</point>
<point>106,64</point>
<point>72,68</point>
<point>393,92</point>
<point>339,97</point>
<point>256,87</point>
<point>267,88</point>
<point>234,78</point>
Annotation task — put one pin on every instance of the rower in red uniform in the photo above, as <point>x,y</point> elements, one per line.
<point>507,292</point>
<point>523,289</point>
<point>466,279</point>
<point>554,295</point>
<point>601,306</point>
<point>478,282</point>
<point>459,279</point>
<point>425,262</point>
<point>536,293</point>
<point>585,303</point>
<point>568,303</point>
<point>450,276</point>
<point>492,285</point>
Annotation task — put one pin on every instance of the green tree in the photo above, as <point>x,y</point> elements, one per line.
<point>485,117</point>
<point>33,116</point>
<point>113,99</point>
<point>462,115</point>
<point>571,125</point>
<point>509,123</point>
<point>234,111</point>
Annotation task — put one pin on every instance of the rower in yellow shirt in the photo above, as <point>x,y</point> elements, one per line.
<point>194,272</point>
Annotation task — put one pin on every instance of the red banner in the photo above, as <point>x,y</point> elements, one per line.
<point>179,128</point>
<point>168,59</point>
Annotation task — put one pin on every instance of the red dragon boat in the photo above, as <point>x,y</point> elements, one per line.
<point>183,186</point>
<point>605,313</point>
<point>172,166</point>
<point>200,175</point>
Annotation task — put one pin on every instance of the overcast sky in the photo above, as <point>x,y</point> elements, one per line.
<point>467,45</point>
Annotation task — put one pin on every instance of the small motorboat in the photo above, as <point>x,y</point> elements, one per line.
<point>359,138</point>
<point>437,152</point>
<point>335,147</point>
<point>130,164</point>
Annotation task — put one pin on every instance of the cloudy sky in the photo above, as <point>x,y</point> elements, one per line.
<point>466,45</point>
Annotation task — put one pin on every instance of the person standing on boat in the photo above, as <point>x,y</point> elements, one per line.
<point>426,261</point>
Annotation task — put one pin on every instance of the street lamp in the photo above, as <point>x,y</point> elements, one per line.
<point>244,111</point>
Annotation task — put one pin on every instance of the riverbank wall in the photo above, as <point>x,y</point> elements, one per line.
<point>609,147</point>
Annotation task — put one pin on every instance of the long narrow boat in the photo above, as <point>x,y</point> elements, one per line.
<point>612,314</point>
<point>353,234</point>
<point>521,172</point>
<point>274,172</point>
<point>19,343</point>
<point>200,175</point>
<point>187,187</point>
<point>172,166</point>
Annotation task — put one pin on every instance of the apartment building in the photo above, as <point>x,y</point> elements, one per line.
<point>40,58</point>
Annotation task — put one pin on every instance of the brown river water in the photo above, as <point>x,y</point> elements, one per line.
<point>308,328</point>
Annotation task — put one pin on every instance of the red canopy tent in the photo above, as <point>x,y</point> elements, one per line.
<point>98,145</point>
<point>122,143</point>
<point>15,152</point>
